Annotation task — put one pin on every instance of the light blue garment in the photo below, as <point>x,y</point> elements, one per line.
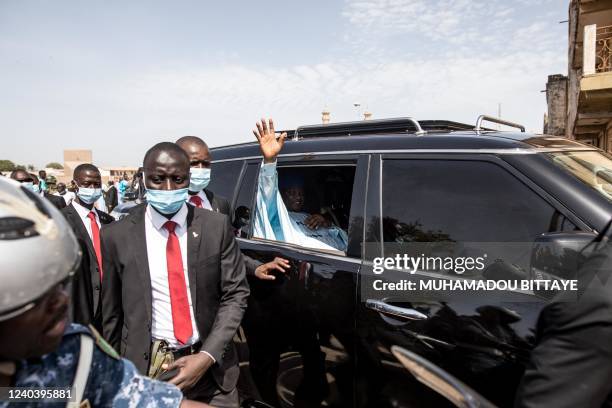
<point>30,186</point>
<point>89,195</point>
<point>167,201</point>
<point>273,221</point>
<point>121,188</point>
<point>199,178</point>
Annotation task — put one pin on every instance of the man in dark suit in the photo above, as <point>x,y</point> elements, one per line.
<point>200,161</point>
<point>174,273</point>
<point>86,222</point>
<point>111,196</point>
<point>571,365</point>
<point>261,355</point>
<point>30,181</point>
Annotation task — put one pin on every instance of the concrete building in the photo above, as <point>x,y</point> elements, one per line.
<point>72,158</point>
<point>555,122</point>
<point>589,82</point>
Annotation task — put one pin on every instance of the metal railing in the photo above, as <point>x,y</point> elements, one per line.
<point>603,49</point>
<point>597,49</point>
<point>493,119</point>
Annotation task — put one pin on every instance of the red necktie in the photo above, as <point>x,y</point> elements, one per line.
<point>95,235</point>
<point>196,200</point>
<point>179,302</point>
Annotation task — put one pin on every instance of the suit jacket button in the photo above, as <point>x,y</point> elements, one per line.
<point>146,356</point>
<point>97,287</point>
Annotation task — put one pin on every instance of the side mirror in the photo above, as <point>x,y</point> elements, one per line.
<point>559,254</point>
<point>440,381</point>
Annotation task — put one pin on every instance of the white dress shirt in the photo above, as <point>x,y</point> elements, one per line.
<point>84,214</point>
<point>205,203</point>
<point>100,204</point>
<point>68,196</point>
<point>162,327</point>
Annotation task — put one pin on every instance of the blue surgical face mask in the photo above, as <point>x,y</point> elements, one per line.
<point>199,178</point>
<point>167,201</point>
<point>30,186</point>
<point>89,195</point>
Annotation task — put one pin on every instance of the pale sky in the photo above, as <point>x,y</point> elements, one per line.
<point>117,76</point>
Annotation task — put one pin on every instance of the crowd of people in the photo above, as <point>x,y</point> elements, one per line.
<point>62,195</point>
<point>143,311</point>
<point>165,287</point>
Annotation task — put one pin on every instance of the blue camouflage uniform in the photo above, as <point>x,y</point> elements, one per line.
<point>112,381</point>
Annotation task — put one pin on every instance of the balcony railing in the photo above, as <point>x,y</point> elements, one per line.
<point>597,57</point>
<point>604,49</point>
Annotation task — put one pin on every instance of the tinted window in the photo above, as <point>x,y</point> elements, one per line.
<point>461,201</point>
<point>223,178</point>
<point>592,168</point>
<point>245,200</point>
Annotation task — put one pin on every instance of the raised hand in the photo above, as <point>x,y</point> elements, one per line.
<point>269,144</point>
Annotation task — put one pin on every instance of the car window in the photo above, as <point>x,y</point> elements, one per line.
<point>244,201</point>
<point>461,201</point>
<point>223,178</point>
<point>593,168</point>
<point>307,205</point>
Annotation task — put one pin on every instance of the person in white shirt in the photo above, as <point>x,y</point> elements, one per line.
<point>199,173</point>
<point>175,285</point>
<point>87,222</point>
<point>67,195</point>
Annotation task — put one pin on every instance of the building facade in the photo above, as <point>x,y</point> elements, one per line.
<point>72,158</point>
<point>589,80</point>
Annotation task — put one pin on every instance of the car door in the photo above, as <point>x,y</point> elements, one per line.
<point>302,325</point>
<point>418,204</point>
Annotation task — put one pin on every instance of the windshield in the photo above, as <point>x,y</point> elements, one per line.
<point>594,168</point>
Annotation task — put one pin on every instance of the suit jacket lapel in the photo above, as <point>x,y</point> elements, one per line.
<point>194,232</point>
<point>138,237</point>
<point>78,221</point>
<point>211,199</point>
<point>103,217</point>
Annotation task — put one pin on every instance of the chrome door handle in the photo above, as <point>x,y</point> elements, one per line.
<point>385,308</point>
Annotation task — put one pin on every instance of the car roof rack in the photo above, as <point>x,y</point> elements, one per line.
<point>493,119</point>
<point>393,125</point>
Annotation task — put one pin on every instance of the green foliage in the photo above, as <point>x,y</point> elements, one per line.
<point>7,165</point>
<point>54,165</point>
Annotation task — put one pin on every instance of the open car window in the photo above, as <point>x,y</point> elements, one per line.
<point>304,205</point>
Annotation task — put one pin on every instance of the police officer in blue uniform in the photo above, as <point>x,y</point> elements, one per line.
<point>63,364</point>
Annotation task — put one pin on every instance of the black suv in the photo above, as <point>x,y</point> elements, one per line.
<point>317,335</point>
